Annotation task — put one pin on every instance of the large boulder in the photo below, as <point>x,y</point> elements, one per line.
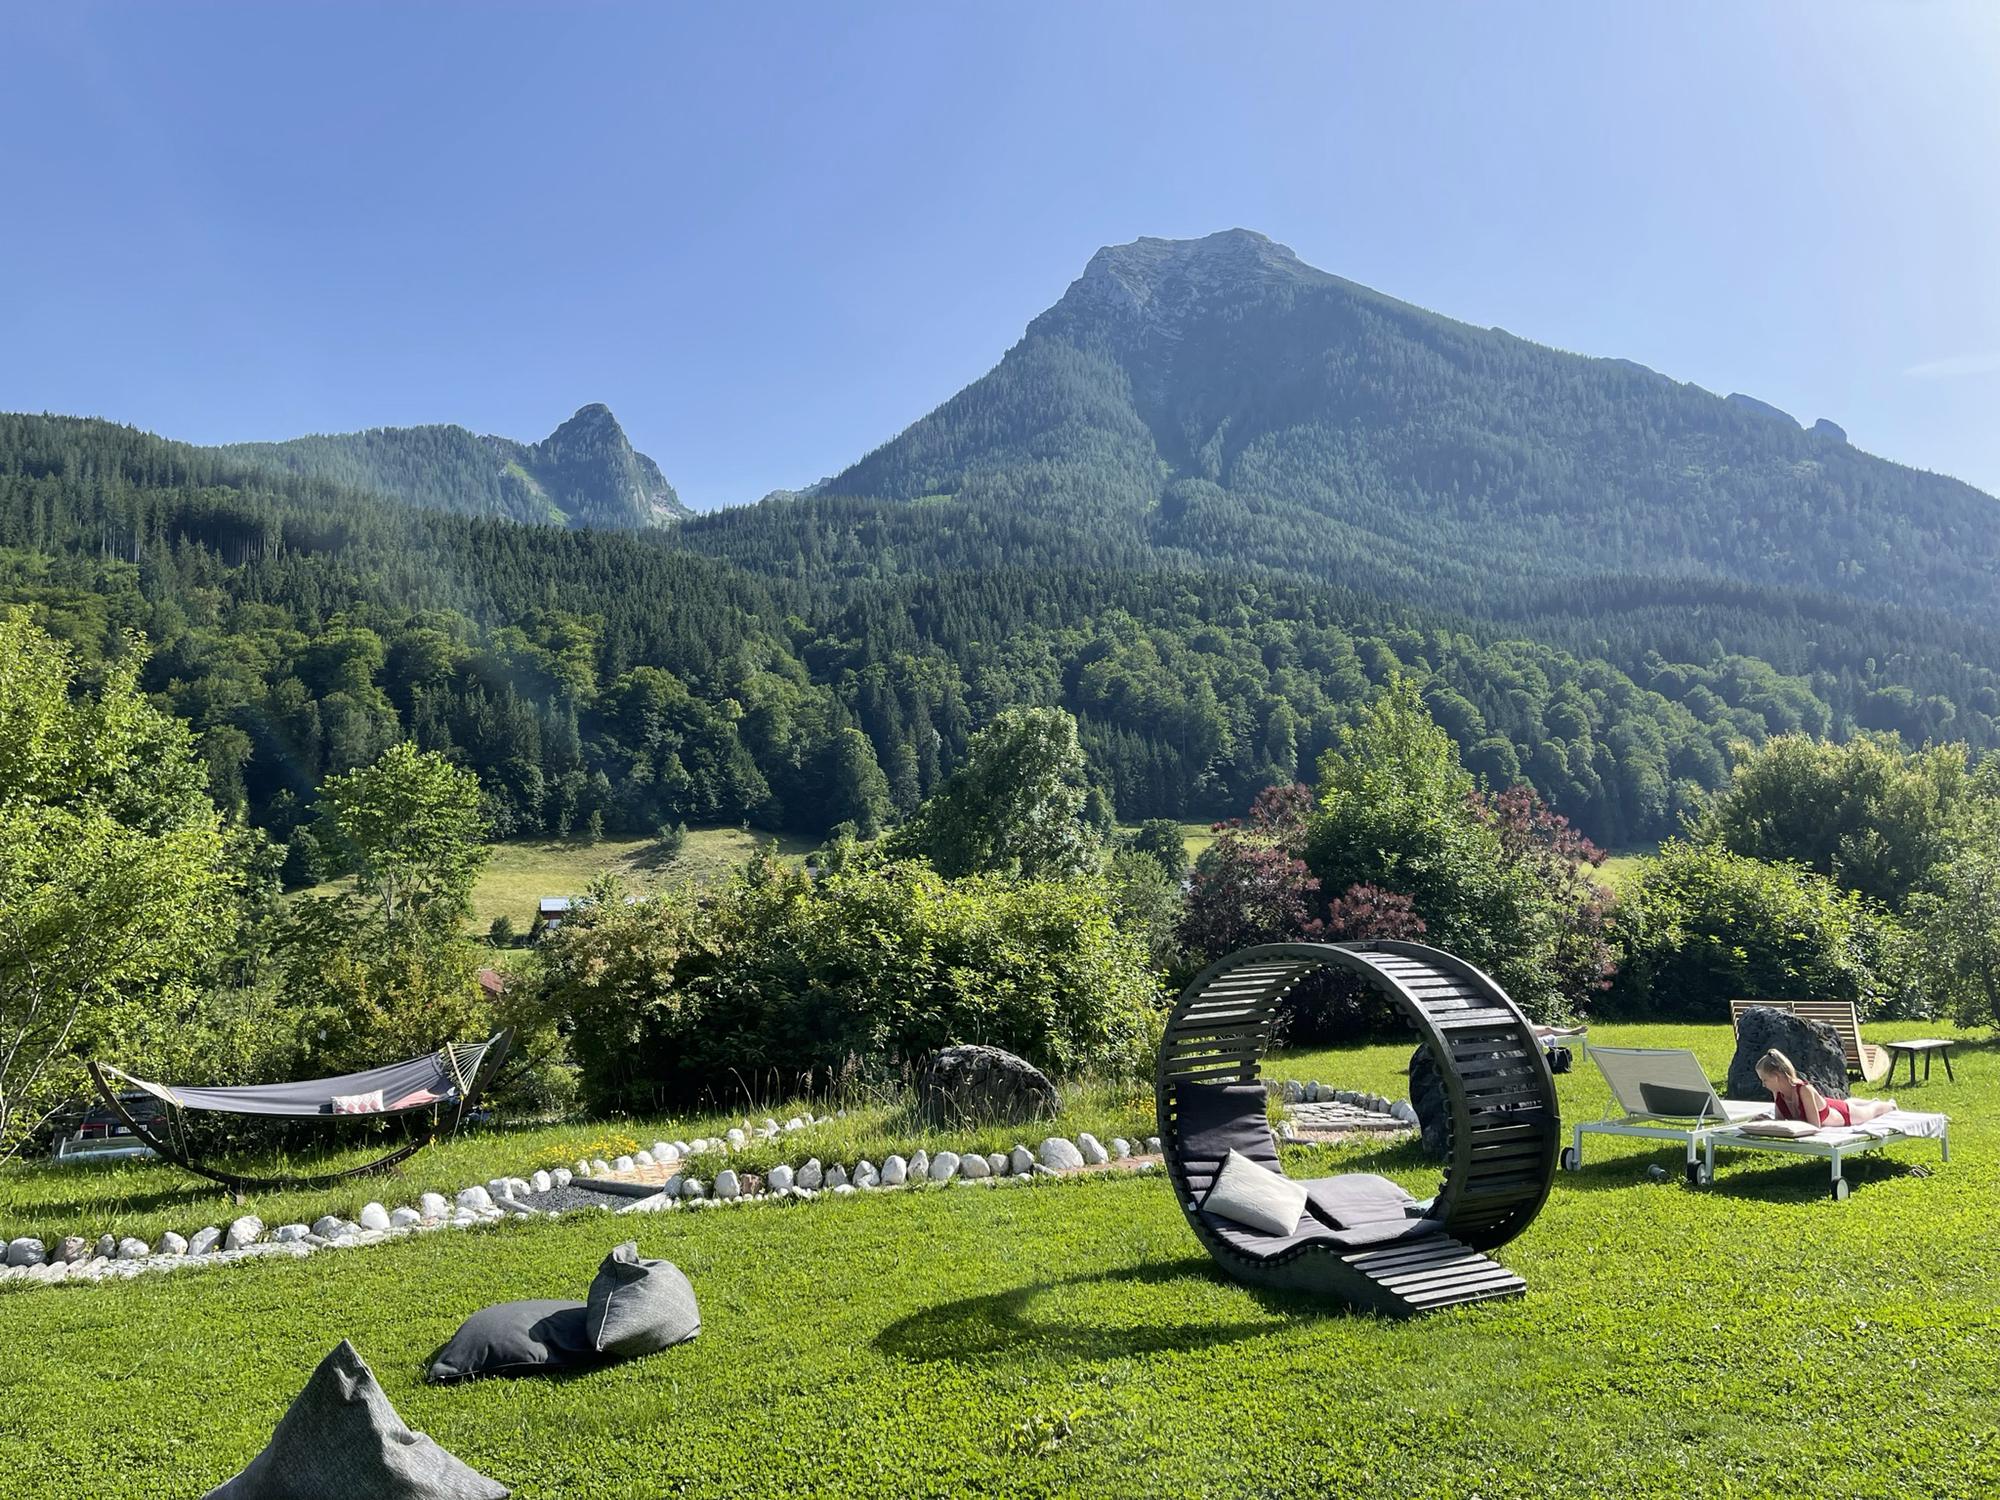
<point>985,1084</point>
<point>1813,1047</point>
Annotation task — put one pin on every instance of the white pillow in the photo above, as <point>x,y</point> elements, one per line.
<point>369,1103</point>
<point>1784,1130</point>
<point>1255,1196</point>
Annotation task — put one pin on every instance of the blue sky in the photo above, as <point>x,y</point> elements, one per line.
<point>771,236</point>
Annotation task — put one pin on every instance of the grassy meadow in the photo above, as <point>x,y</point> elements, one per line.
<point>1070,1338</point>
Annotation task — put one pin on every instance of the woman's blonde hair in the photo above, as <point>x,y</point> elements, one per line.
<point>1775,1061</point>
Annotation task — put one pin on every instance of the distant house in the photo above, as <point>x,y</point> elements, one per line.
<point>493,982</point>
<point>549,914</point>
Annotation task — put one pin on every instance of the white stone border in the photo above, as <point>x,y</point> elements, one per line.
<point>28,1261</point>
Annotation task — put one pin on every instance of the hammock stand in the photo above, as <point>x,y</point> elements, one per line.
<point>454,1076</point>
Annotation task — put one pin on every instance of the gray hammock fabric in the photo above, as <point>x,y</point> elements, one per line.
<point>405,1086</point>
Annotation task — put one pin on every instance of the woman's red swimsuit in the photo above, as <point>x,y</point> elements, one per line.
<point>1792,1106</point>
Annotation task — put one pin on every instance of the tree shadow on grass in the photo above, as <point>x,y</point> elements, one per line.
<point>1002,1325</point>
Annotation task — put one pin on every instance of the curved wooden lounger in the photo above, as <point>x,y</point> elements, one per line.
<point>1504,1137</point>
<point>489,1064</point>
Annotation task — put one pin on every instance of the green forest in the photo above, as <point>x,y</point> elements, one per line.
<point>704,675</point>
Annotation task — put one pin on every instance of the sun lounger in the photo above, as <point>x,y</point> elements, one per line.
<point>1666,1096</point>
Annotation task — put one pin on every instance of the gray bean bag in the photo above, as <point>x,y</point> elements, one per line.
<point>639,1306</point>
<point>515,1338</point>
<point>342,1437</point>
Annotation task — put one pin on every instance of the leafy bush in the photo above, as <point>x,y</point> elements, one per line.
<point>1497,879</point>
<point>863,971</point>
<point>1699,926</point>
<point>1867,814</point>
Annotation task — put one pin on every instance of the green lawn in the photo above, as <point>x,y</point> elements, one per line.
<point>1754,1339</point>
<point>520,872</point>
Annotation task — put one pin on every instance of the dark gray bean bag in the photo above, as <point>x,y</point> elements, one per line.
<point>515,1338</point>
<point>639,1306</point>
<point>342,1437</point>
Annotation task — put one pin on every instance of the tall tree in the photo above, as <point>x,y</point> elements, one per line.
<point>1015,807</point>
<point>409,829</point>
<point>113,883</point>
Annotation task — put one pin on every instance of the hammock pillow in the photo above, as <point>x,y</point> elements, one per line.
<point>1256,1197</point>
<point>514,1338</point>
<point>369,1103</point>
<point>342,1437</point>
<point>639,1306</point>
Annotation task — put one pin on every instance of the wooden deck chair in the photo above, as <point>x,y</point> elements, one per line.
<point>1864,1060</point>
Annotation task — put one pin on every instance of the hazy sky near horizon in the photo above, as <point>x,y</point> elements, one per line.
<point>769,237</point>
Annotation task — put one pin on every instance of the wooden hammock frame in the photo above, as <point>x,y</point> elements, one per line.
<point>491,1057</point>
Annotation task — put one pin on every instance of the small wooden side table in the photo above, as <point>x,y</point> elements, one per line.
<point>1928,1047</point>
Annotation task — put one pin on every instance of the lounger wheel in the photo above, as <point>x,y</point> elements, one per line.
<point>1571,1162</point>
<point>1840,1190</point>
<point>1697,1174</point>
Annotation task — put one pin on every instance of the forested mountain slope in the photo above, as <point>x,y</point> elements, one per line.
<point>585,473</point>
<point>301,628</point>
<point>1219,400</point>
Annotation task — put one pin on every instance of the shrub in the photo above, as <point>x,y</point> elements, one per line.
<point>1699,926</point>
<point>1161,840</point>
<point>868,969</point>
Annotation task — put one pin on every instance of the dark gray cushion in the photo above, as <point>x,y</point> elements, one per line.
<point>1357,1198</point>
<point>1215,1119</point>
<point>515,1338</point>
<point>639,1306</point>
<point>342,1437</point>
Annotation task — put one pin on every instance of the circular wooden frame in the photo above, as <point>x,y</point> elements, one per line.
<point>1506,1128</point>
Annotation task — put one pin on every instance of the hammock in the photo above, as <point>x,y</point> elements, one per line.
<point>452,1075</point>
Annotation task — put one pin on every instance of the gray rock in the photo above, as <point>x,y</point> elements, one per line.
<point>997,1163</point>
<point>920,1165</point>
<point>133,1249</point>
<point>795,1123</point>
<point>172,1244</point>
<point>107,1246</point>
<point>243,1232</point>
<point>1059,1154</point>
<point>1020,1160</point>
<point>663,1152</point>
<point>691,1187</point>
<point>644,1159</point>
<point>581,1168</point>
<point>476,1199</point>
<point>895,1172</point>
<point>373,1216</point>
<point>1120,1148</point>
<point>1294,1092</point>
<point>1152,1145</point>
<point>1813,1047</point>
<point>286,1234</point>
<point>942,1167</point>
<point>865,1174</point>
<point>779,1179</point>
<point>404,1218</point>
<point>971,1165</point>
<point>812,1176</point>
<point>734,1137</point>
<point>433,1206</point>
<point>727,1184</point>
<point>328,1225</point>
<point>1093,1151</point>
<point>73,1248</point>
<point>836,1176</point>
<point>562,1177</point>
<point>623,1164</point>
<point>970,1083</point>
<point>1405,1111</point>
<point>26,1251</point>
<point>541,1182</point>
<point>599,1166</point>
